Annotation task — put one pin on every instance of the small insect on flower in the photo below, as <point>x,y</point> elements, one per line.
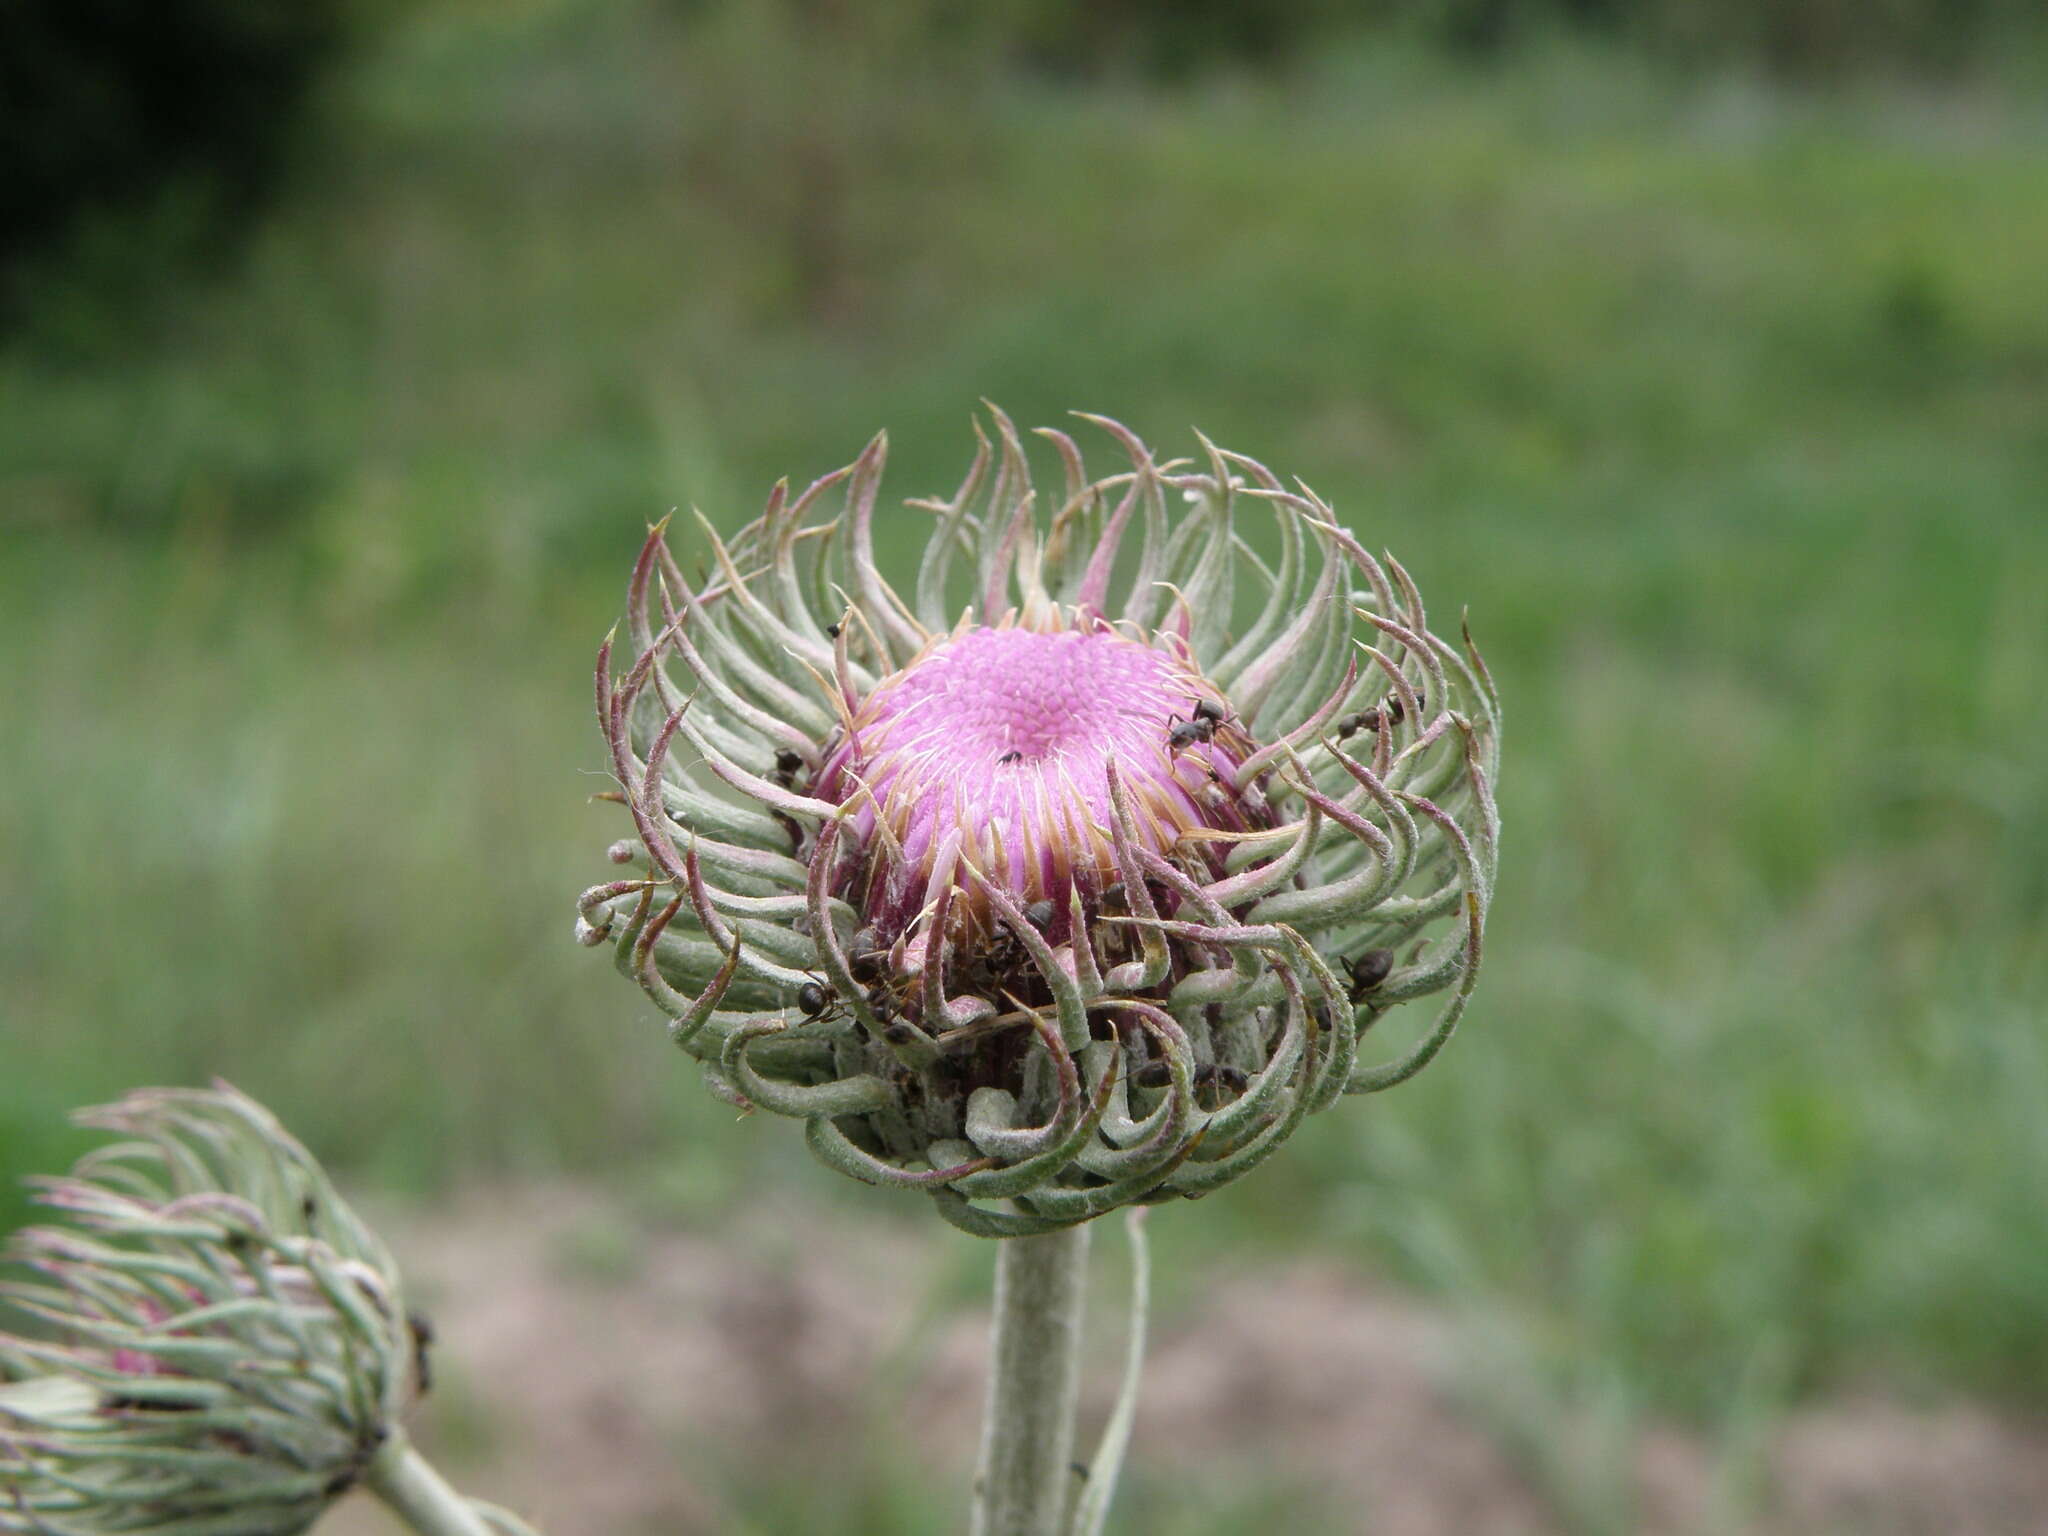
<point>1055,847</point>
<point>1391,708</point>
<point>1368,971</point>
<point>1202,727</point>
<point>864,962</point>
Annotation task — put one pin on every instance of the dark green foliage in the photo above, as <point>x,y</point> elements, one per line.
<point>1169,38</point>
<point>110,103</point>
<point>1172,39</point>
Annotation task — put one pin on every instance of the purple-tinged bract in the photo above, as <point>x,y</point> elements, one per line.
<point>1073,874</point>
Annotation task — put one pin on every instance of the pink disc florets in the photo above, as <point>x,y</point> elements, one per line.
<point>987,758</point>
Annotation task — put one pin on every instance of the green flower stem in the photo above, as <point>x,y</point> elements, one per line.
<point>1025,1477</point>
<point>1091,1515</point>
<point>420,1496</point>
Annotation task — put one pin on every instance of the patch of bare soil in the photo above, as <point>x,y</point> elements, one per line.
<point>599,1384</point>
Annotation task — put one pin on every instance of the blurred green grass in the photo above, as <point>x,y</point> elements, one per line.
<point>1724,409</point>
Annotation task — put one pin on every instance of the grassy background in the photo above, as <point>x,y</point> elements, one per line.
<point>1723,407</point>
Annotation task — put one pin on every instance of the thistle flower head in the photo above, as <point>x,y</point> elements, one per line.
<point>1074,875</point>
<point>225,1346</point>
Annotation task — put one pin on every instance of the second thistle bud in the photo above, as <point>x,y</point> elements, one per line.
<point>228,1344</point>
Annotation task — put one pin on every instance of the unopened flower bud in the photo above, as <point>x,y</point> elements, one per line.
<point>226,1346</point>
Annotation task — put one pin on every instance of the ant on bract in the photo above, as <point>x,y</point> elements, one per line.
<point>867,959</point>
<point>1390,708</point>
<point>1368,970</point>
<point>818,1003</point>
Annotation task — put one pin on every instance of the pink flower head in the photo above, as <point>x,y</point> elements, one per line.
<point>1071,877</point>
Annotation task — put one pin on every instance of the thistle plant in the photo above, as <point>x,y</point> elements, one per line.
<point>225,1350</point>
<point>1072,875</point>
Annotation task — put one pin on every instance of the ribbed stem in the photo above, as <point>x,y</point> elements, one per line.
<point>1024,1482</point>
<point>420,1496</point>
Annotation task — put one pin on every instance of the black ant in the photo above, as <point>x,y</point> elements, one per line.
<point>832,630</point>
<point>1223,1083</point>
<point>1200,727</point>
<point>1369,970</point>
<point>867,960</point>
<point>818,1003</point>
<point>1157,1074</point>
<point>1153,1074</point>
<point>421,1327</point>
<point>1039,915</point>
<point>1369,720</point>
<point>790,825</point>
<point>1011,756</point>
<point>896,1029</point>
